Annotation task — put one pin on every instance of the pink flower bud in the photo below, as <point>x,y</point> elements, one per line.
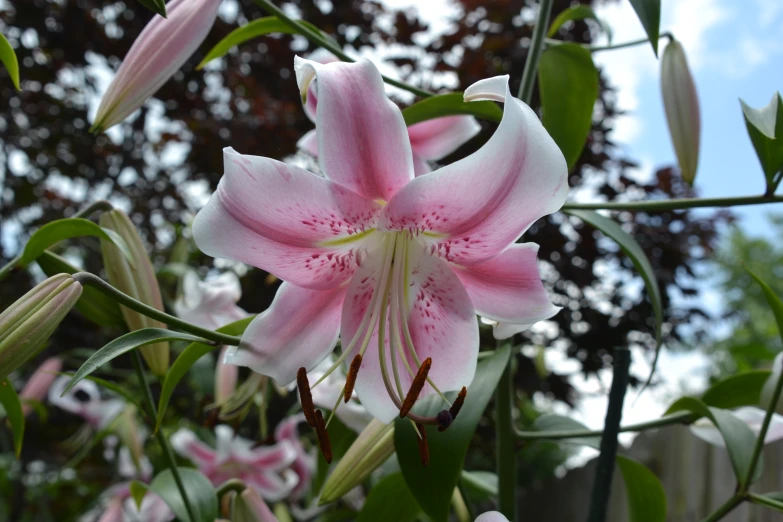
<point>39,383</point>
<point>250,507</point>
<point>159,51</point>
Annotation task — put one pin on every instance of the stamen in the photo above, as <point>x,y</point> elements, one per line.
<point>416,386</point>
<point>323,436</point>
<point>424,449</point>
<point>444,420</point>
<point>458,402</point>
<point>305,397</point>
<point>350,380</point>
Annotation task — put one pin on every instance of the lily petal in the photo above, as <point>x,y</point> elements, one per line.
<point>309,143</point>
<point>189,446</point>
<point>442,326</point>
<point>475,208</point>
<point>304,465</point>
<point>37,386</point>
<point>362,139</point>
<point>298,226</point>
<point>437,138</point>
<point>300,328</point>
<point>508,288</point>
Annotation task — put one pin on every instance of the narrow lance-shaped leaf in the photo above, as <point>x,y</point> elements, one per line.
<point>649,13</point>
<point>743,389</point>
<point>156,6</point>
<point>13,411</point>
<point>645,494</point>
<point>124,344</point>
<point>567,111</point>
<point>629,245</point>
<point>451,104</point>
<point>434,485</point>
<point>578,12</point>
<point>11,64</point>
<point>765,128</point>
<point>201,495</point>
<point>390,501</point>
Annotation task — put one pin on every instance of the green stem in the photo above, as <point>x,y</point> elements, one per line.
<point>725,509</point>
<point>318,39</point>
<point>88,279</point>
<point>602,486</point>
<point>164,443</point>
<point>754,460</point>
<point>675,204</point>
<point>674,418</point>
<point>610,47</point>
<point>235,485</point>
<point>506,452</point>
<point>9,267</point>
<point>765,501</point>
<point>534,52</point>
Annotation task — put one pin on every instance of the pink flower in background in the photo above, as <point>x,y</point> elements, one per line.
<point>430,140</point>
<point>121,507</point>
<point>304,464</point>
<point>750,415</point>
<point>160,50</point>
<point>391,262</point>
<point>37,387</point>
<point>85,400</point>
<point>352,413</point>
<point>266,468</point>
<point>212,304</point>
<point>491,516</point>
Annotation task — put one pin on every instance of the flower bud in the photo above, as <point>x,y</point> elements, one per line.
<point>250,507</point>
<point>681,104</point>
<point>137,281</point>
<point>29,322</point>
<point>158,52</point>
<point>37,386</point>
<point>371,449</point>
<point>769,387</point>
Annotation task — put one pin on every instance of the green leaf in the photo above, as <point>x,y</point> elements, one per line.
<point>632,249</point>
<point>156,6</point>
<point>68,228</point>
<point>568,82</point>
<point>202,497</point>
<point>254,29</point>
<point>186,360</point>
<point>138,490</point>
<point>8,57</point>
<point>450,104</point>
<point>93,304</point>
<point>765,128</point>
<point>743,389</point>
<point>649,13</point>
<point>645,494</point>
<point>124,344</point>
<point>738,437</point>
<point>434,485</point>
<point>578,12</point>
<point>390,501</point>
<point>13,410</point>
<point>554,422</point>
<point>481,485</point>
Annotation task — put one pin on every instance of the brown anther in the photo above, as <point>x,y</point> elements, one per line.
<point>444,419</point>
<point>416,386</point>
<point>350,380</point>
<point>323,436</point>
<point>458,402</point>
<point>424,449</point>
<point>305,397</point>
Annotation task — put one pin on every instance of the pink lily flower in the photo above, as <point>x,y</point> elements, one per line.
<point>430,140</point>
<point>491,516</point>
<point>378,256</point>
<point>121,507</point>
<point>84,400</point>
<point>250,507</point>
<point>212,304</point>
<point>266,468</point>
<point>160,50</point>
<point>304,464</point>
<point>750,415</point>
<point>37,387</point>
<point>352,413</point>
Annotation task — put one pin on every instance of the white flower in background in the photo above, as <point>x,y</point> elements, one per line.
<point>85,400</point>
<point>326,393</point>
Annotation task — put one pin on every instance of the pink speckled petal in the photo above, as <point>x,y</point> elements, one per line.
<point>442,325</point>
<point>300,328</point>
<point>508,288</point>
<point>475,208</point>
<point>189,446</point>
<point>298,226</point>
<point>439,137</point>
<point>362,139</point>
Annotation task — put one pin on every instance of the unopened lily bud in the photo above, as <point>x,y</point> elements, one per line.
<point>137,281</point>
<point>250,507</point>
<point>29,322</point>
<point>769,387</point>
<point>371,449</point>
<point>681,104</point>
<point>160,50</point>
<point>37,387</point>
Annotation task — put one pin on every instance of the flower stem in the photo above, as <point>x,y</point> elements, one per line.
<point>725,509</point>
<point>164,443</point>
<point>675,418</point>
<point>534,52</point>
<point>675,204</point>
<point>318,39</point>
<point>765,501</point>
<point>610,47</point>
<point>506,452</point>
<point>86,278</point>
<point>599,499</point>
